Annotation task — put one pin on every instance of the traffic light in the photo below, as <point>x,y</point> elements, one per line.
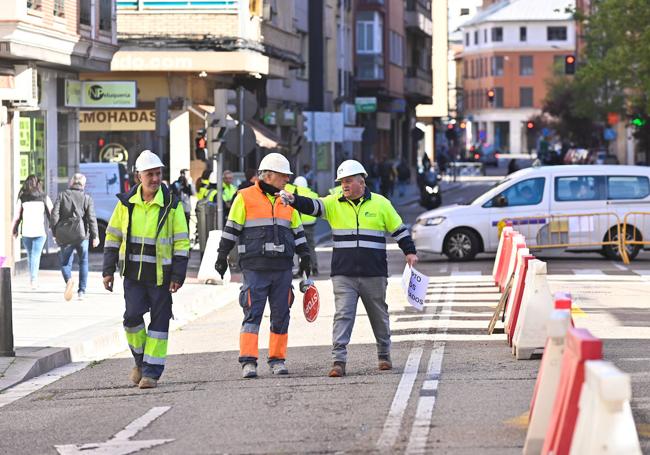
<point>530,125</point>
<point>101,142</point>
<point>450,134</point>
<point>308,126</point>
<point>570,64</point>
<point>225,113</point>
<point>462,125</point>
<point>638,120</point>
<point>490,95</point>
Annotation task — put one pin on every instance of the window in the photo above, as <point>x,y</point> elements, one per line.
<point>59,8</point>
<point>485,40</point>
<point>497,34</point>
<point>34,4</point>
<point>580,188</point>
<point>558,64</point>
<point>526,192</point>
<point>396,51</point>
<point>627,187</point>
<point>84,12</point>
<point>464,11</point>
<point>556,33</point>
<point>475,36</point>
<point>525,65</point>
<point>498,96</point>
<point>466,39</point>
<point>105,15</point>
<point>525,97</point>
<point>370,60</point>
<point>497,65</point>
<point>523,34</point>
<point>303,72</point>
<point>465,75</point>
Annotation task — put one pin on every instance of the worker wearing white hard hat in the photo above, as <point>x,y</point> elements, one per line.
<point>147,235</point>
<point>268,233</point>
<point>360,221</point>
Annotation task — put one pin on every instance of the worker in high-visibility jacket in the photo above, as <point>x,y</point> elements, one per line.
<point>203,186</point>
<point>228,191</point>
<point>268,233</point>
<point>147,235</point>
<point>359,220</point>
<point>300,187</point>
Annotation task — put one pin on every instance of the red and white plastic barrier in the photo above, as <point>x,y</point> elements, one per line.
<point>518,242</point>
<point>514,300</point>
<point>548,378</point>
<point>605,424</point>
<point>497,259</point>
<point>535,309</point>
<point>580,346</point>
<point>504,256</point>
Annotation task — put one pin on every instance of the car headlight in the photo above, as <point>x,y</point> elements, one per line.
<point>435,221</point>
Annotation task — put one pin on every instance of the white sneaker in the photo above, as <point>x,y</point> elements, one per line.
<point>279,368</point>
<point>69,289</point>
<point>249,370</point>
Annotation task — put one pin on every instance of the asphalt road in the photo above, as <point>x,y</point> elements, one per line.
<point>454,389</point>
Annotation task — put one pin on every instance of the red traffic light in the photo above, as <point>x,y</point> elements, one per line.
<point>101,142</point>
<point>490,94</point>
<point>530,125</point>
<point>570,59</point>
<point>450,126</point>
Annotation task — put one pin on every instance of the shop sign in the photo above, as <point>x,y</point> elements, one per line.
<point>366,104</point>
<point>398,106</point>
<point>38,134</point>
<point>114,153</point>
<point>102,94</point>
<point>118,120</point>
<point>25,134</point>
<point>288,117</point>
<point>24,166</point>
<point>270,118</point>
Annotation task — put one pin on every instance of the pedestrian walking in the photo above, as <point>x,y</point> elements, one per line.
<point>308,222</point>
<point>148,235</point>
<point>268,233</point>
<point>228,191</point>
<point>183,189</point>
<point>360,220</point>
<point>403,177</point>
<point>32,210</point>
<point>74,225</point>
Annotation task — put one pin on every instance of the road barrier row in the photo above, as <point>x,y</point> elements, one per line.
<point>580,404</point>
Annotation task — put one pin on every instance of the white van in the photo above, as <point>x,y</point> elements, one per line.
<point>103,182</point>
<point>462,231</point>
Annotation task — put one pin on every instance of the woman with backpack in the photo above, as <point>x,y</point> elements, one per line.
<point>32,209</point>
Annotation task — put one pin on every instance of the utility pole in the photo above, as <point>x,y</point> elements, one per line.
<point>240,99</point>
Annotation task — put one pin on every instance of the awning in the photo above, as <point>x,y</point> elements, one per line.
<point>263,136</point>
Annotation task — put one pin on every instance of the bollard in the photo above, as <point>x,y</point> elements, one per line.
<point>6,327</point>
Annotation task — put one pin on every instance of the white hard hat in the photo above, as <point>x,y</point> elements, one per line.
<point>348,168</point>
<point>300,181</point>
<point>147,160</point>
<point>275,162</point>
<point>213,177</point>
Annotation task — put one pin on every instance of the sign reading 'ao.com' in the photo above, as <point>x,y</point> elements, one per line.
<point>100,94</point>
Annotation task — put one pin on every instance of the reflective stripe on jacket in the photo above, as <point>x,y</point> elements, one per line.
<point>268,232</point>
<point>359,231</point>
<point>150,240</point>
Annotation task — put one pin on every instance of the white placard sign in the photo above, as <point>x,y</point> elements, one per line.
<point>417,289</point>
<point>406,276</point>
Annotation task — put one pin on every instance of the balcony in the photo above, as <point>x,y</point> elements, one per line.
<point>417,16</point>
<point>418,83</point>
<point>370,67</point>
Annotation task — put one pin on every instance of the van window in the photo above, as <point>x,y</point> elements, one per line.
<point>580,188</point>
<point>526,192</point>
<point>627,187</point>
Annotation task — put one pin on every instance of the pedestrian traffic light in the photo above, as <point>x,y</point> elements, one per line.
<point>450,134</point>
<point>570,64</point>
<point>638,120</point>
<point>530,125</point>
<point>101,142</point>
<point>490,95</point>
<point>308,126</point>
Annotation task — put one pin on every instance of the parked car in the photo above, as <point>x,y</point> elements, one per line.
<point>462,231</point>
<point>103,182</point>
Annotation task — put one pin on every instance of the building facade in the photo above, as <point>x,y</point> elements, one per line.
<point>44,46</point>
<point>511,48</point>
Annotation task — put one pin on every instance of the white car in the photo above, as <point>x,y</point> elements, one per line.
<point>462,231</point>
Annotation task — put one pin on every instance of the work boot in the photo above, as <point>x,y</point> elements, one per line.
<point>338,370</point>
<point>148,383</point>
<point>384,363</point>
<point>136,375</point>
<point>249,370</point>
<point>279,368</point>
<point>69,289</point>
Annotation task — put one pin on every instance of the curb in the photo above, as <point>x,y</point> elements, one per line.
<point>31,362</point>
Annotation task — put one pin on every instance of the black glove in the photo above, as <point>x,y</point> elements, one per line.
<point>305,265</point>
<point>221,265</point>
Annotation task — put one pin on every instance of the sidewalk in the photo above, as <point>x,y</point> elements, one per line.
<point>50,332</point>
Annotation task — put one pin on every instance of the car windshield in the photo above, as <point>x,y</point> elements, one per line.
<point>500,182</point>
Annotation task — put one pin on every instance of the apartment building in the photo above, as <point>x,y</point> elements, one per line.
<point>44,46</point>
<point>511,48</point>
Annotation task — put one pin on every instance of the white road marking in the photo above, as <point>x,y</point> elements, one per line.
<point>455,272</point>
<point>424,412</point>
<point>121,443</point>
<point>620,266</point>
<point>597,272</point>
<point>394,419</point>
<point>32,385</point>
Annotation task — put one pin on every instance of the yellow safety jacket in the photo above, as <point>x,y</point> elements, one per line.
<point>307,220</point>
<point>149,240</point>
<point>359,231</point>
<point>227,193</point>
<point>203,191</point>
<point>268,231</point>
